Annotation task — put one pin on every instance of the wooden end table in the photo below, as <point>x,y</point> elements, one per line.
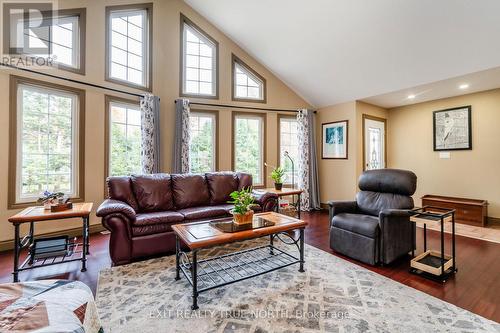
<point>218,271</point>
<point>36,214</point>
<point>284,192</point>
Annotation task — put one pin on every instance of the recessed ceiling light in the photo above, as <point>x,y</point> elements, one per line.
<point>463,86</point>
<point>411,96</point>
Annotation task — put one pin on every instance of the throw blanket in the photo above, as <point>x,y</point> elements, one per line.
<point>48,306</point>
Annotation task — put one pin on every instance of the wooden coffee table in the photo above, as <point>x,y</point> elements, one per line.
<point>214,272</point>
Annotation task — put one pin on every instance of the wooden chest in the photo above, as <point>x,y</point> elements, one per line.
<point>467,211</point>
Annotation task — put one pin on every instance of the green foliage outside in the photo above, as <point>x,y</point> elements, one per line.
<point>125,150</point>
<point>248,146</point>
<point>201,148</point>
<point>46,143</point>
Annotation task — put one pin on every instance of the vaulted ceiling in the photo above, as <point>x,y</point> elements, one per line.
<point>334,51</point>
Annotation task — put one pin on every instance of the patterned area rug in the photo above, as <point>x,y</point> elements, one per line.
<point>333,295</point>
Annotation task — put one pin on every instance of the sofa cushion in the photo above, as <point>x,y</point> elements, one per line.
<point>167,217</point>
<point>365,225</point>
<point>120,188</point>
<point>153,192</point>
<point>220,186</point>
<point>190,190</point>
<point>203,212</point>
<point>156,222</point>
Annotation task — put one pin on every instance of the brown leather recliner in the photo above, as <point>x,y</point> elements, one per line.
<point>141,209</point>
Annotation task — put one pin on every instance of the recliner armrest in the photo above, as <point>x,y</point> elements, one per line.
<point>395,213</point>
<point>111,206</point>
<point>266,200</point>
<point>339,207</point>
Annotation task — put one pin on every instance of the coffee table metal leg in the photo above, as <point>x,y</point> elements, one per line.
<point>177,255</point>
<point>85,244</point>
<point>301,249</point>
<point>194,277</point>
<point>15,273</point>
<point>271,243</point>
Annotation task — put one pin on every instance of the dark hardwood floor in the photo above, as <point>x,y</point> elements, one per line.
<point>476,286</point>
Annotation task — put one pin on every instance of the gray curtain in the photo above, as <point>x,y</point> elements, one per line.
<point>180,158</point>
<point>150,133</point>
<point>308,165</point>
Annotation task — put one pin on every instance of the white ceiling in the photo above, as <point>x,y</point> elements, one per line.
<point>334,51</point>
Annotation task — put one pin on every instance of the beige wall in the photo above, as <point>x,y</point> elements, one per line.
<point>338,178</point>
<point>165,85</point>
<point>469,173</point>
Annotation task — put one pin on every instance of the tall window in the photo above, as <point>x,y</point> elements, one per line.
<point>128,49</point>
<point>125,142</point>
<point>248,145</point>
<point>203,142</point>
<point>48,138</point>
<point>248,85</point>
<point>289,143</point>
<point>62,38</point>
<point>199,61</point>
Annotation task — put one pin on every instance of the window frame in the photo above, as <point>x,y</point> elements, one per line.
<point>263,118</point>
<point>215,114</point>
<point>234,61</point>
<point>284,116</point>
<point>148,7</point>
<point>82,28</point>
<point>108,99</point>
<point>187,21</point>
<point>15,82</point>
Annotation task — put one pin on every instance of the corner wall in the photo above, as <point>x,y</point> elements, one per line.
<point>468,173</point>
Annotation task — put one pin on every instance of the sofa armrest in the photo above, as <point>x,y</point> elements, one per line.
<point>339,207</point>
<point>111,206</point>
<point>266,200</point>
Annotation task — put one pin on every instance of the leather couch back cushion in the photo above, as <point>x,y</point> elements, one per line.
<point>244,180</point>
<point>119,188</point>
<point>153,192</point>
<point>372,203</point>
<point>388,181</point>
<point>220,186</point>
<point>190,190</point>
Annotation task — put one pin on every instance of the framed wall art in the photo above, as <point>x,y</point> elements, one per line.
<point>334,140</point>
<point>452,129</point>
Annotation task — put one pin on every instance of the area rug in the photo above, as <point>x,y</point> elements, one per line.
<point>333,295</point>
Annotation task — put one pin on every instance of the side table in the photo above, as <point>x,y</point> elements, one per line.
<point>37,214</point>
<point>284,192</point>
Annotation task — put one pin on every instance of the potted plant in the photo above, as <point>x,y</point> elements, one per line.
<point>243,201</point>
<point>50,198</point>
<point>278,175</point>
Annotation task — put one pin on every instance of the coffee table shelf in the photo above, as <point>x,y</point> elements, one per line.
<point>237,266</point>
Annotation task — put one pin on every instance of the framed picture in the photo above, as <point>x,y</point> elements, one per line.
<point>452,129</point>
<point>334,140</point>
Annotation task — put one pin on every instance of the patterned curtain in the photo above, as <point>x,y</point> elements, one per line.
<point>150,133</point>
<point>307,164</point>
<point>180,160</point>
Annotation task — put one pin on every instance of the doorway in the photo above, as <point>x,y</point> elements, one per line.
<point>374,142</point>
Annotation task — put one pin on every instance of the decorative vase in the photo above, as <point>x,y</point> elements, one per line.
<point>243,218</point>
<point>278,186</point>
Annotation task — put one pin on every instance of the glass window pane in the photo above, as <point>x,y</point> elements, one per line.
<point>192,74</point>
<point>48,153</point>
<point>192,87</point>
<point>205,63</point>
<point>202,150</point>
<point>247,84</point>
<point>125,139</point>
<point>248,147</point>
<point>205,88</point>
<point>128,41</point>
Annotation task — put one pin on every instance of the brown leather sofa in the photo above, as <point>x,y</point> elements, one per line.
<point>141,209</point>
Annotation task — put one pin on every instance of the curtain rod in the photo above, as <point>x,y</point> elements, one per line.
<point>70,80</point>
<point>241,107</point>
